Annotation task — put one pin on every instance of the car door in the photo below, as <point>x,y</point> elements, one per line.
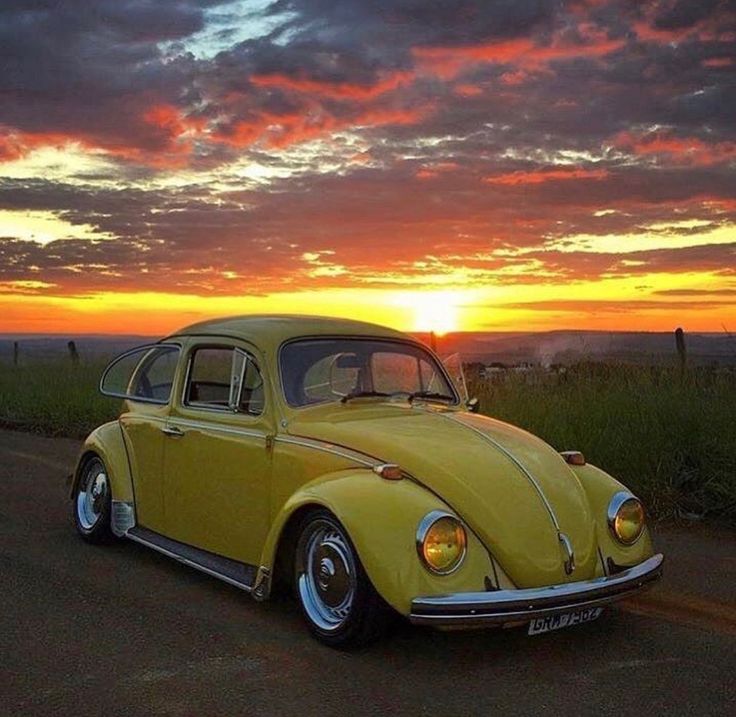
<point>217,455</point>
<point>144,377</point>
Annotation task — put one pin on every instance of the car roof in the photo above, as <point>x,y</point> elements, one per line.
<point>271,330</point>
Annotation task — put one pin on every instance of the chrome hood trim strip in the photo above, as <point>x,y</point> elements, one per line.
<point>527,474</point>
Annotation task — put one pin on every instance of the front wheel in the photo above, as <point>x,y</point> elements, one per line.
<point>338,601</point>
<point>93,502</point>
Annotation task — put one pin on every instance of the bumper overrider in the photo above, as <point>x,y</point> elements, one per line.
<point>515,606</point>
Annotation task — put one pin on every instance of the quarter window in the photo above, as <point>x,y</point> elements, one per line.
<point>142,374</point>
<point>224,379</point>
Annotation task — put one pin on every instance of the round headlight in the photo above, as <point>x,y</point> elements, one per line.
<point>441,542</point>
<point>626,517</point>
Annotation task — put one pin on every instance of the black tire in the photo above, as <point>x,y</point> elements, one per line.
<point>361,616</point>
<point>92,503</point>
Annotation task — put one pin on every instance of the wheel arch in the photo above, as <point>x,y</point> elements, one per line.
<point>108,444</point>
<point>599,488</point>
<point>381,518</point>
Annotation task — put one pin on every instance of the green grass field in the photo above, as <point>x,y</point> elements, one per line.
<point>55,398</point>
<point>669,436</point>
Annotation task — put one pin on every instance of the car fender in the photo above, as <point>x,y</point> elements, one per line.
<point>108,443</point>
<point>382,517</point>
<point>600,487</point>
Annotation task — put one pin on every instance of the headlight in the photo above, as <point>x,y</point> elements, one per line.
<point>626,517</point>
<point>441,542</point>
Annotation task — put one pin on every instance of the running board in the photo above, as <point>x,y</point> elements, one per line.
<point>233,572</point>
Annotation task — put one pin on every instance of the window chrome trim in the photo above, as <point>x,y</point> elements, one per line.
<point>351,337</point>
<point>425,524</point>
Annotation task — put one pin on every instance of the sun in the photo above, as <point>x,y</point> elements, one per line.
<point>435,311</point>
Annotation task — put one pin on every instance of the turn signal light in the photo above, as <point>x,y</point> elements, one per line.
<point>574,458</point>
<point>389,471</point>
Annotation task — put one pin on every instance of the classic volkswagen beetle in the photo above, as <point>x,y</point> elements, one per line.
<point>339,457</point>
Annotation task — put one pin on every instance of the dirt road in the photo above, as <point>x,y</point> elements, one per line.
<point>124,631</point>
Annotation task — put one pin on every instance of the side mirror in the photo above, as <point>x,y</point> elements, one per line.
<point>473,405</point>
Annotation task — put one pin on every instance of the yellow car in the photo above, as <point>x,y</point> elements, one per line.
<point>340,458</point>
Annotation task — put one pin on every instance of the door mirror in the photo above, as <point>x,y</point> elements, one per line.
<point>144,374</point>
<point>473,405</point>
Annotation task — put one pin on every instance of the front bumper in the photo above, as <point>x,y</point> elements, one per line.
<point>510,606</point>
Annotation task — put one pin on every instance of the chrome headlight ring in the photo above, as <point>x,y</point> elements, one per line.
<point>614,508</point>
<point>423,532</point>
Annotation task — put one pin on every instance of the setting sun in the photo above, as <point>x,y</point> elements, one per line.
<point>435,311</point>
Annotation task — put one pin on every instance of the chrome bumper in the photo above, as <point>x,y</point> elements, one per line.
<point>509,606</point>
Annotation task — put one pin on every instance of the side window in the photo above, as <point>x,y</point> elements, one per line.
<point>142,374</point>
<point>155,375</point>
<point>224,379</point>
<point>209,378</point>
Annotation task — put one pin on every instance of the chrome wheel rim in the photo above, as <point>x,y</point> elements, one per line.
<point>327,575</point>
<point>92,495</point>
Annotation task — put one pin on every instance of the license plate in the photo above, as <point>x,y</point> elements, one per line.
<point>565,619</point>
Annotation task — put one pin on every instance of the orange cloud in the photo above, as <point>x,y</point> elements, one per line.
<point>333,90</point>
<point>466,90</point>
<point>690,150</point>
<point>279,131</point>
<point>545,175</point>
<point>172,134</point>
<point>718,62</point>
<point>447,62</point>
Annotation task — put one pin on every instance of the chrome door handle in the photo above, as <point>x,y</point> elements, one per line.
<point>172,431</point>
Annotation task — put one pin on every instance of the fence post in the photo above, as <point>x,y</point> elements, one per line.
<point>73,352</point>
<point>16,352</point>
<point>681,349</point>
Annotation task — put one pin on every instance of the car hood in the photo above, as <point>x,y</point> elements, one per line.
<point>511,488</point>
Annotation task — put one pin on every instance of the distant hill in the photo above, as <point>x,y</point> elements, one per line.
<point>566,347</point>
<point>510,348</point>
<point>40,347</point>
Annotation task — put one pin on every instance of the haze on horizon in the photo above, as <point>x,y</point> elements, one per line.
<point>464,165</point>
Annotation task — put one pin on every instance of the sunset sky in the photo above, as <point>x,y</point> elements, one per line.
<point>428,164</point>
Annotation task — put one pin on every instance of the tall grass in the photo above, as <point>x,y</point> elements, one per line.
<point>669,435</point>
<point>54,397</point>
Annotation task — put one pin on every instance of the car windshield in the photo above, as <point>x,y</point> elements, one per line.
<point>321,370</point>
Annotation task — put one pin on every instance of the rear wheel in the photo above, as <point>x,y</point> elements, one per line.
<point>92,503</point>
<point>338,601</point>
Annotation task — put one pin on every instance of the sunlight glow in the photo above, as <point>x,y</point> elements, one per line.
<point>43,227</point>
<point>435,311</point>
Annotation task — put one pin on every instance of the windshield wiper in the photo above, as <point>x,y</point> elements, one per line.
<point>431,396</point>
<point>361,394</point>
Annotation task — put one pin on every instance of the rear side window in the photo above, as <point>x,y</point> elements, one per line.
<point>155,375</point>
<point>224,378</point>
<point>143,374</point>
